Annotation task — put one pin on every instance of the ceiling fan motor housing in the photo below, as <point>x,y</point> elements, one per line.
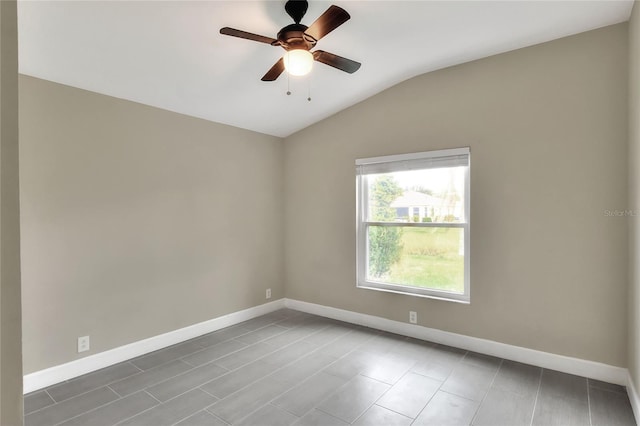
<point>294,37</point>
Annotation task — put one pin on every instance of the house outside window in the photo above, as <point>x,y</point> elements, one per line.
<point>413,224</point>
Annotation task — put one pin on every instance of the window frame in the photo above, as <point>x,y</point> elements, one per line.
<point>362,225</point>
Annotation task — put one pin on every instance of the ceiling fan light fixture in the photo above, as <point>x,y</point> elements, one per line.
<point>298,62</point>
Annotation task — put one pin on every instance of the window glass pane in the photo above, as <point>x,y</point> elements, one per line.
<point>417,257</point>
<point>430,195</point>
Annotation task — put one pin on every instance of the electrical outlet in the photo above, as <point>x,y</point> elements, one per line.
<point>268,293</point>
<point>413,317</point>
<point>83,344</point>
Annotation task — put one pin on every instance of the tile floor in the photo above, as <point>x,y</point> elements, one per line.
<point>292,368</point>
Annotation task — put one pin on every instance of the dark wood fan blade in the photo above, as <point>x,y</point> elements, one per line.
<point>331,19</point>
<point>343,64</point>
<point>249,36</point>
<point>275,71</point>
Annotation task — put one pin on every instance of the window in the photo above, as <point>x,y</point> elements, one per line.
<point>413,224</point>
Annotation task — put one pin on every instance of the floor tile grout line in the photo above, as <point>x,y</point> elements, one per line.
<point>264,405</point>
<point>274,372</point>
<point>394,411</point>
<point>329,414</point>
<point>613,391</point>
<point>216,416</point>
<point>52,398</point>
<point>86,392</point>
<point>93,409</point>
<point>163,403</point>
<point>275,349</point>
<point>191,368</point>
<point>183,393</point>
<point>256,360</point>
<point>142,372</point>
<point>434,394</point>
<point>324,412</point>
<point>351,329</point>
<point>287,365</point>
<point>488,389</point>
<point>371,405</point>
<point>202,348</point>
<point>209,347</point>
<point>137,414</point>
<point>283,409</point>
<point>535,402</point>
<point>248,345</point>
<point>201,410</point>
<point>151,395</point>
<point>385,392</point>
<point>202,336</point>
<point>456,395</point>
<point>133,360</point>
<point>135,366</point>
<point>108,384</point>
<point>208,393</point>
<point>55,403</point>
<point>183,373</point>
<point>328,365</point>
<point>261,340</point>
<point>315,406</point>
<point>146,388</point>
<point>455,364</point>
<point>589,402</point>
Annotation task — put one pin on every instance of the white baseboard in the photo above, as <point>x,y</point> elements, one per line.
<point>585,368</point>
<point>50,376</point>
<point>633,397</point>
<point>577,366</point>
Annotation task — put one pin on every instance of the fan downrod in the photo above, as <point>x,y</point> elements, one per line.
<point>296,9</point>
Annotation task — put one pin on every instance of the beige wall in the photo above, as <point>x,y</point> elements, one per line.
<point>10,319</point>
<point>547,127</point>
<point>634,198</point>
<point>138,221</point>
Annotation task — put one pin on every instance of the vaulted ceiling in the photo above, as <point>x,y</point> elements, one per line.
<point>170,54</point>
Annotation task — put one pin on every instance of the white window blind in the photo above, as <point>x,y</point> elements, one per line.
<point>458,157</point>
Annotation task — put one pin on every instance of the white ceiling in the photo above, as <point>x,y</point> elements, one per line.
<point>169,54</point>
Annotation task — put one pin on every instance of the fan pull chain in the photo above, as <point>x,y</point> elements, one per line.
<point>289,86</point>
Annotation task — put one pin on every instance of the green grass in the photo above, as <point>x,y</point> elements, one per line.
<point>430,259</point>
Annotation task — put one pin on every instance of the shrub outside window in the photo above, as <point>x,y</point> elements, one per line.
<point>413,224</point>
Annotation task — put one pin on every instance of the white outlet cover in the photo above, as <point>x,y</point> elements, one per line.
<point>413,317</point>
<point>268,293</point>
<point>84,344</point>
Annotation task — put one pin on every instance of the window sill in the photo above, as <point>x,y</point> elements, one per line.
<point>457,298</point>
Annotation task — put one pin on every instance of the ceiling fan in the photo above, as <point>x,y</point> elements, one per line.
<point>298,40</point>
